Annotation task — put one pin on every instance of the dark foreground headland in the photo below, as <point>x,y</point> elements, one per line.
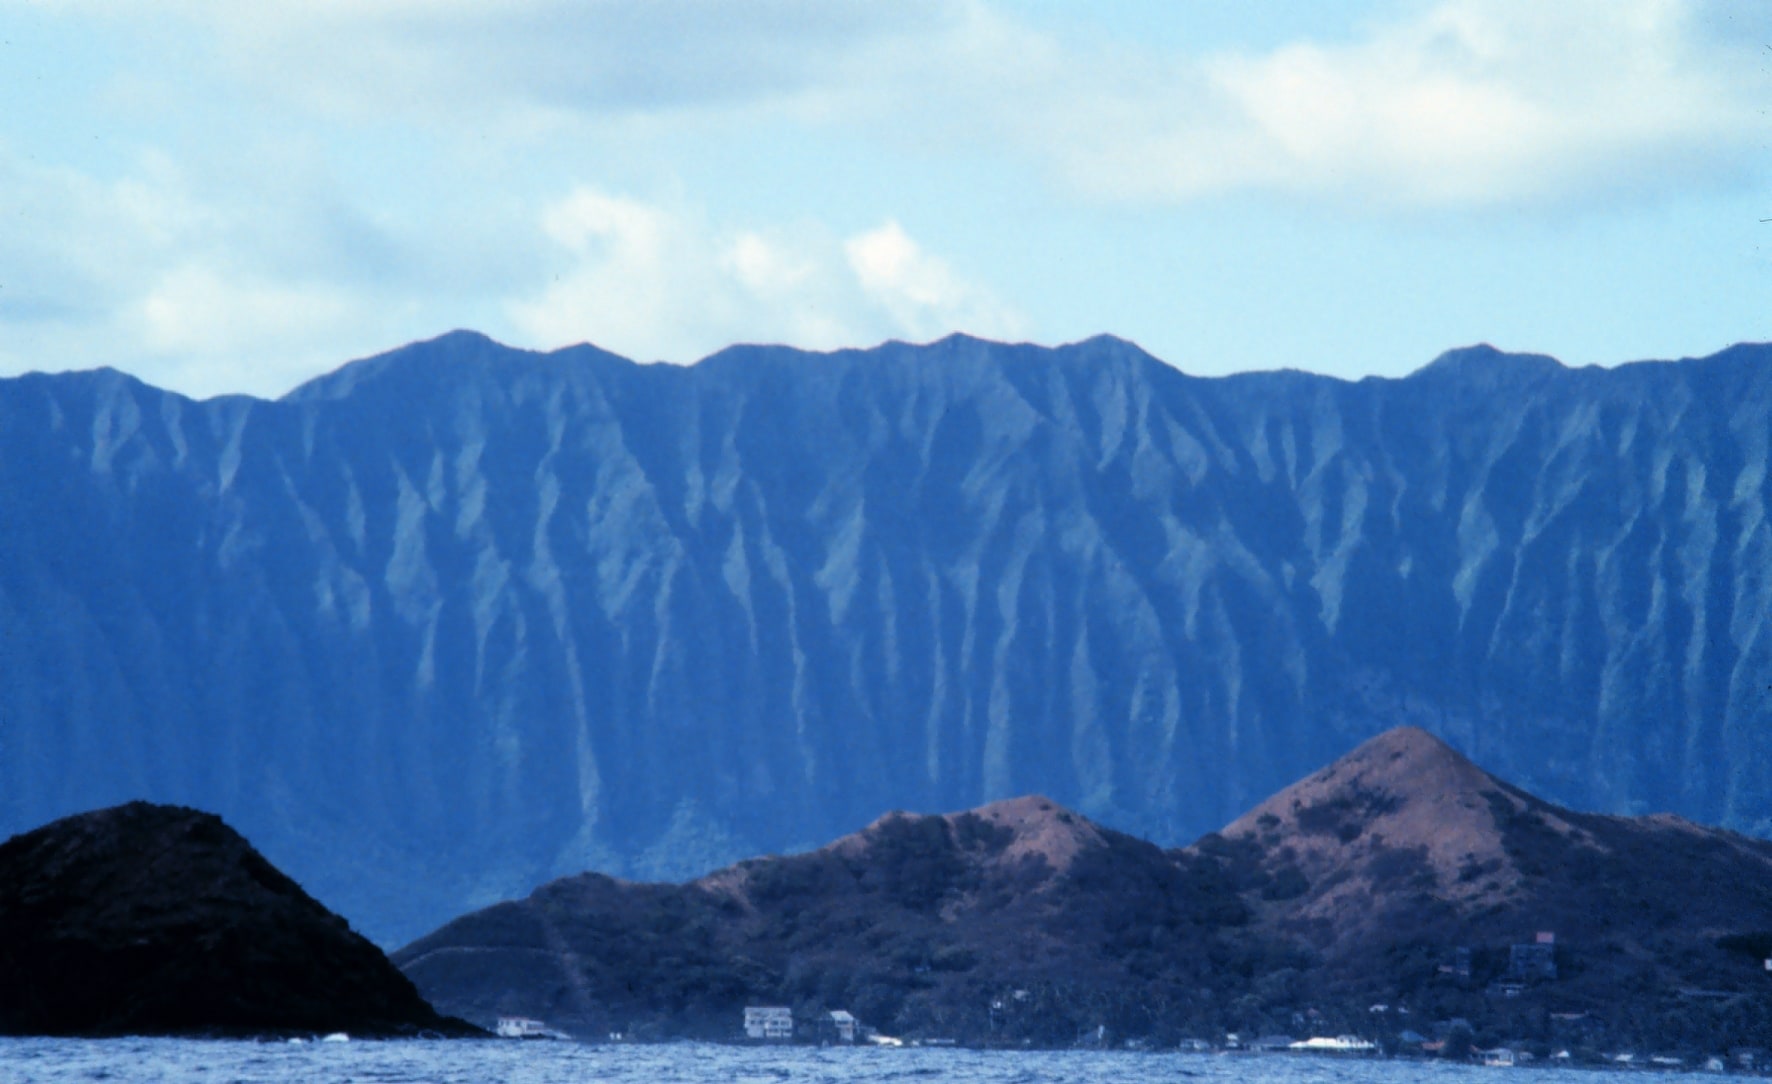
<point>147,919</point>
<point>1401,895</point>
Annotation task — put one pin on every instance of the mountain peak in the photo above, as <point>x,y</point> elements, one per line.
<point>451,347</point>
<point>1400,768</point>
<point>1403,798</point>
<point>1041,827</point>
<point>1487,365</point>
<point>1408,757</point>
<point>418,367</point>
<point>1105,341</point>
<point>1029,825</point>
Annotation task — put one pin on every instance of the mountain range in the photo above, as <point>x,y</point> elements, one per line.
<point>1399,888</point>
<point>458,619</point>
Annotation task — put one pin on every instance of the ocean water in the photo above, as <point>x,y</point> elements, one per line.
<point>151,1061</point>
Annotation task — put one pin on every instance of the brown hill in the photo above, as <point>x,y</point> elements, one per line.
<point>1403,830</point>
<point>146,919</point>
<point>1404,847</point>
<point>917,924</point>
<point>1401,875</point>
<point>1409,877</point>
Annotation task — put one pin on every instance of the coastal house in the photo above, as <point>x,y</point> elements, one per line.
<point>523,1027</point>
<point>837,1026</point>
<point>769,1022</point>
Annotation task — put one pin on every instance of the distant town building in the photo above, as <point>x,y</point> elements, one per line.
<point>768,1022</point>
<point>522,1027</point>
<point>1533,962</point>
<point>838,1026</point>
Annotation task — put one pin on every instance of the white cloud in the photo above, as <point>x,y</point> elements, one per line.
<point>767,268</point>
<point>279,240</point>
<point>198,293</point>
<point>662,284</point>
<point>215,332</point>
<point>921,292</point>
<point>206,290</point>
<point>452,60</point>
<point>1449,102</point>
<point>1463,103</point>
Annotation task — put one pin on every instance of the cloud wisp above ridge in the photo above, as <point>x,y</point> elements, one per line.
<point>660,283</point>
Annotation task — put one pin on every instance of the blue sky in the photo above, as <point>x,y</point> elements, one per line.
<point>227,197</point>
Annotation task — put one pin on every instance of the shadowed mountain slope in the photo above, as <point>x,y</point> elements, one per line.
<point>146,919</point>
<point>458,619</point>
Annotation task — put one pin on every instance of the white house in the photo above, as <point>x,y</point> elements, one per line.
<point>522,1027</point>
<point>768,1022</point>
<point>845,1025</point>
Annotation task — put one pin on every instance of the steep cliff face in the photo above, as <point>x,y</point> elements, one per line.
<point>459,618</point>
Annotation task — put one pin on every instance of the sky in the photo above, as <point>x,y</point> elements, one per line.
<point>224,197</point>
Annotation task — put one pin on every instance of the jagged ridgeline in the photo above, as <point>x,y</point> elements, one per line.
<point>460,618</point>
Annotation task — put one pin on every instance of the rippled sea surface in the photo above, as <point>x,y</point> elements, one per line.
<point>30,1061</point>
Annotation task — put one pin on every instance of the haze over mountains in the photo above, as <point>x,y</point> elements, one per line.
<point>460,618</point>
